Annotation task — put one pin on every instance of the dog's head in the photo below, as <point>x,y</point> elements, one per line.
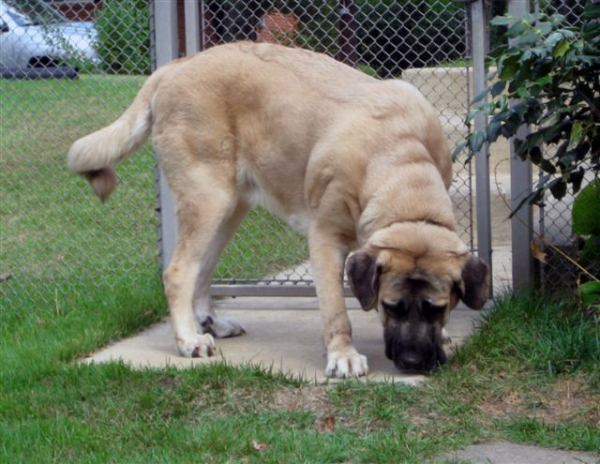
<point>414,274</point>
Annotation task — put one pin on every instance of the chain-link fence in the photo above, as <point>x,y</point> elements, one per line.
<point>554,221</point>
<point>70,67</point>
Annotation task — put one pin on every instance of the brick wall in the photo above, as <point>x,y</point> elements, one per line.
<point>83,10</point>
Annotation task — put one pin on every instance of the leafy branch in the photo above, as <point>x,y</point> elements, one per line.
<point>547,77</point>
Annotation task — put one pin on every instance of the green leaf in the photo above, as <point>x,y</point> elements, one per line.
<point>522,93</point>
<point>533,111</point>
<point>458,149</point>
<point>591,32</point>
<point>501,116</point>
<point>590,253</point>
<point>502,20</point>
<point>590,293</point>
<point>547,166</point>
<point>534,139</point>
<point>533,198</point>
<point>591,11</point>
<point>543,28</point>
<point>511,124</point>
<point>586,210</point>
<point>553,39</point>
<point>576,179</point>
<point>508,66</point>
<point>528,38</point>
<point>555,136</point>
<point>517,28</point>
<point>535,155</point>
<point>576,135</point>
<point>542,81</point>
<point>481,96</point>
<point>561,49</point>
<point>497,88</point>
<point>539,52</point>
<point>476,141</point>
<point>558,188</point>
<point>493,131</point>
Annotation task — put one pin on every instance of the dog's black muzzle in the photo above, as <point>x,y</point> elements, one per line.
<point>422,356</point>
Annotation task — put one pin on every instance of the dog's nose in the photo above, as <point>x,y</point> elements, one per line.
<point>411,361</point>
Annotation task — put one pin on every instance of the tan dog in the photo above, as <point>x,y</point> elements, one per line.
<point>349,160</point>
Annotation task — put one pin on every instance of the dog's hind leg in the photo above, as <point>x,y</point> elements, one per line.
<point>206,201</point>
<point>208,321</point>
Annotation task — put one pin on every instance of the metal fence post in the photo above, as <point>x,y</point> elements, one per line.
<point>193,40</point>
<point>520,187</point>
<point>166,48</point>
<point>479,45</point>
<point>347,39</point>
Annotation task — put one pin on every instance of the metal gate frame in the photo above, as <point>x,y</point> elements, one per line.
<point>166,49</point>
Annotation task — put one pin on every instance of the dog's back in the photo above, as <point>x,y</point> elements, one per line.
<point>282,114</point>
<point>270,109</point>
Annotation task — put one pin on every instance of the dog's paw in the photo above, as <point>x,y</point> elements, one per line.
<point>446,339</point>
<point>346,363</point>
<point>200,346</point>
<point>221,327</point>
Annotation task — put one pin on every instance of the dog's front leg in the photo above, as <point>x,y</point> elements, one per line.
<point>327,257</point>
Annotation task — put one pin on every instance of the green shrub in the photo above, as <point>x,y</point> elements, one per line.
<point>124,36</point>
<point>547,78</point>
<point>586,223</point>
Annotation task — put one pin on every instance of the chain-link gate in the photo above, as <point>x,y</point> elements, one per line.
<point>423,42</point>
<point>69,67</point>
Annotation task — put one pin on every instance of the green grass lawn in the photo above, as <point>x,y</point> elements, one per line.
<point>530,376</point>
<point>85,274</point>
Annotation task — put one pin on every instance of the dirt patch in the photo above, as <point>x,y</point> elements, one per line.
<point>569,400</point>
<point>313,399</point>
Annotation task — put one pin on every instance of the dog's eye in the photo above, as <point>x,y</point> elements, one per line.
<point>394,309</point>
<point>431,309</point>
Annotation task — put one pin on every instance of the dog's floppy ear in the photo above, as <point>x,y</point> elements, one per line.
<point>475,288</point>
<point>363,275</point>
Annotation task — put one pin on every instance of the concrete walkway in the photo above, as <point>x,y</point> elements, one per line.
<point>510,453</point>
<point>283,334</point>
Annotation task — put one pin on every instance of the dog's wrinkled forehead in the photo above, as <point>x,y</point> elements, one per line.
<point>414,286</point>
<point>427,254</point>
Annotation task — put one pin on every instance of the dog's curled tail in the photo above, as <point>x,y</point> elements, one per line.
<point>95,155</point>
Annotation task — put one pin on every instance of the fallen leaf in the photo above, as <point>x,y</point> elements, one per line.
<point>329,422</point>
<point>537,252</point>
<point>259,446</point>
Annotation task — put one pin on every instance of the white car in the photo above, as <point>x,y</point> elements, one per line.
<point>32,34</point>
